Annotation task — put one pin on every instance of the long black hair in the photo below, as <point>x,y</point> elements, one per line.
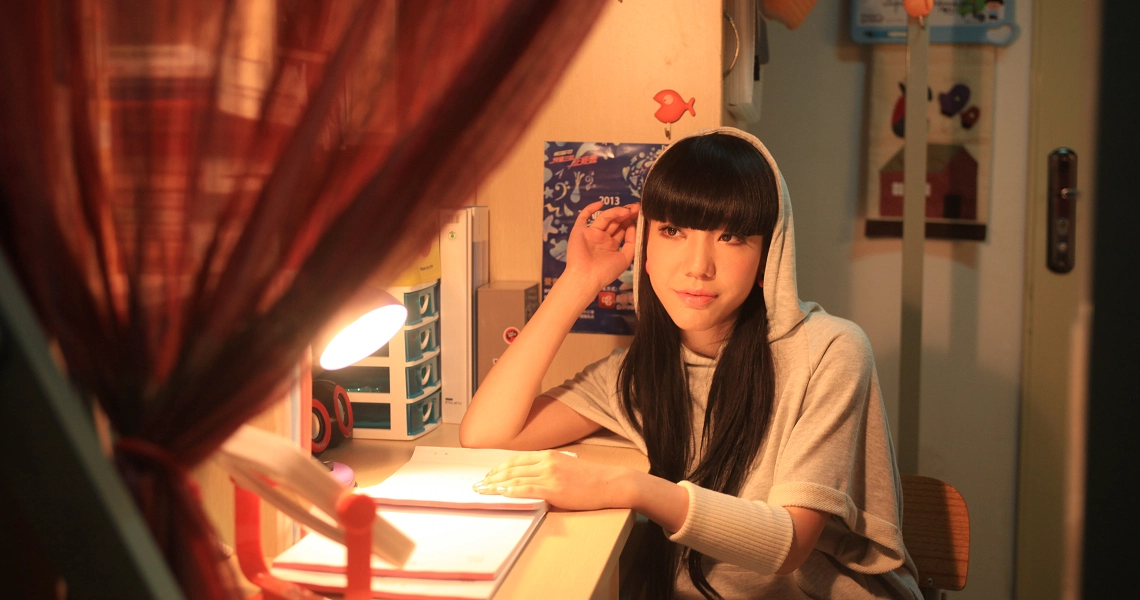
<point>708,182</point>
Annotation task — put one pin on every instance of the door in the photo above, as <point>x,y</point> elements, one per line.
<point>1063,94</point>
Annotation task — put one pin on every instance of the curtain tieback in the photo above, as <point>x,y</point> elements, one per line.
<point>151,452</point>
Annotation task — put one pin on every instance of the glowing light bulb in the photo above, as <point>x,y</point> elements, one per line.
<point>364,336</point>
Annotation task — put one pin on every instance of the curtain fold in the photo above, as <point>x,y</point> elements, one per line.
<point>188,190</point>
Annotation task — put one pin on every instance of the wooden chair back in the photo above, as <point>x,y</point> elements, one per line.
<point>936,531</point>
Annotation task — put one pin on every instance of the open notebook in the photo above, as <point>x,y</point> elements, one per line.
<point>465,543</point>
<point>442,478</point>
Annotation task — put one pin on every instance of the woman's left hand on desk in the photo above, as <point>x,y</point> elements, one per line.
<point>560,479</point>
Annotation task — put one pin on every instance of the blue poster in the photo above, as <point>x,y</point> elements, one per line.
<point>951,22</point>
<point>577,174</point>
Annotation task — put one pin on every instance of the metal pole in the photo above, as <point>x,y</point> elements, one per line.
<point>914,234</point>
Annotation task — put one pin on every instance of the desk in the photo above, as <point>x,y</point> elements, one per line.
<point>572,555</point>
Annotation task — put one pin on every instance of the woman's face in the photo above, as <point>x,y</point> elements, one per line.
<point>702,278</point>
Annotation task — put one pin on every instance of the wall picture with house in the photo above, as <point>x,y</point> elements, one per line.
<point>959,117</point>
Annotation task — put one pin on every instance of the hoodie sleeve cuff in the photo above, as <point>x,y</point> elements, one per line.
<point>746,533</point>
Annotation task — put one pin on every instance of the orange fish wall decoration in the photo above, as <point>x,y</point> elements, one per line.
<point>672,106</point>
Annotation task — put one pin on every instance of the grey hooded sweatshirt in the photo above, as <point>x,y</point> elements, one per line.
<point>828,448</point>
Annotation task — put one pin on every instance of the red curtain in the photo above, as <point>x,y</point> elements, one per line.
<point>188,190</point>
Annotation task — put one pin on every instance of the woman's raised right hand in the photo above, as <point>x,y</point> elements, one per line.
<point>601,251</point>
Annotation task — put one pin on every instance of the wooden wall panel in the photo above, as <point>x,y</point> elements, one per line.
<point>638,48</point>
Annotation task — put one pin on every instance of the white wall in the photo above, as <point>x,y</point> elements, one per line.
<point>814,122</point>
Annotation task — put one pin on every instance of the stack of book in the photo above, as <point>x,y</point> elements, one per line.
<point>465,543</point>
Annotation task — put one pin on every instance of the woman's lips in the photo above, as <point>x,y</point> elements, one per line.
<point>695,298</point>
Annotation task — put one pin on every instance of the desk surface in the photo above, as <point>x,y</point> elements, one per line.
<point>572,555</point>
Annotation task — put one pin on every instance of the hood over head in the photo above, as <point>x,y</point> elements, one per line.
<point>781,296</point>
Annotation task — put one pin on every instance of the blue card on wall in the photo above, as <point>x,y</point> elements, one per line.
<point>950,22</point>
<point>575,175</point>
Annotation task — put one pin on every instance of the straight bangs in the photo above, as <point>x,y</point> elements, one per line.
<point>713,182</point>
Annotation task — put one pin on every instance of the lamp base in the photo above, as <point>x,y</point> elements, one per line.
<point>341,472</point>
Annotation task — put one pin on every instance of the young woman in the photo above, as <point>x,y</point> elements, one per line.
<point>771,468</point>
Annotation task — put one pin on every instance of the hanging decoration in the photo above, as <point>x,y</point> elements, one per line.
<point>960,101</point>
<point>673,107</point>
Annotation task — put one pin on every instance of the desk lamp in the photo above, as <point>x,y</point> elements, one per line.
<point>367,322</point>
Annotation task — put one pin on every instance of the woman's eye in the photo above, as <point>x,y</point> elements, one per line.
<point>730,238</point>
<point>669,230</point>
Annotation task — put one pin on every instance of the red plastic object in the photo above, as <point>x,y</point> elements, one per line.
<point>918,8</point>
<point>355,513</point>
<point>673,105</point>
<point>247,537</point>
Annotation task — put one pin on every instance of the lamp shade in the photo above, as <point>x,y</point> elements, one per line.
<point>360,328</point>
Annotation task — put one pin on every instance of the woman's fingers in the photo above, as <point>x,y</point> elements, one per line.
<point>531,468</point>
<point>584,216</point>
<point>512,473</point>
<point>613,219</point>
<point>624,232</point>
<point>508,487</point>
<point>561,480</point>
<point>630,239</point>
<point>517,489</point>
<point>506,482</point>
<point>518,465</point>
<point>618,227</point>
<point>525,491</point>
<point>521,459</point>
